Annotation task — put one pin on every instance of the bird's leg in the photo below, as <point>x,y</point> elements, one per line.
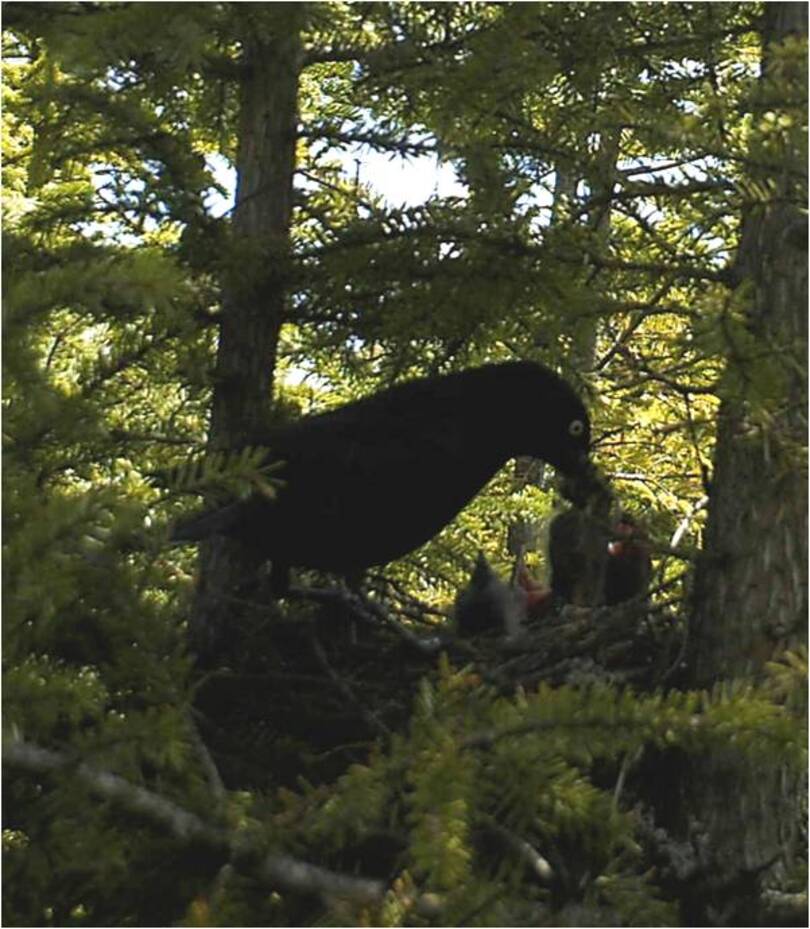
<point>355,582</point>
<point>279,579</point>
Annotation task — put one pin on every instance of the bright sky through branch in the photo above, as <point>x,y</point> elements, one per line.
<point>401,181</point>
<point>404,182</point>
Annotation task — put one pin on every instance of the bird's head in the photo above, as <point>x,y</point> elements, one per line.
<point>557,428</point>
<point>572,447</point>
<point>628,536</point>
<point>626,526</point>
<point>563,438</point>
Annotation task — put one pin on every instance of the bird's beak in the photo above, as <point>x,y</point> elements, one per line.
<point>584,484</point>
<point>584,464</point>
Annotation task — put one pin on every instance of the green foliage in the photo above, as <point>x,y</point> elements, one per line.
<point>226,475</point>
<point>473,758</point>
<point>609,152</point>
<point>51,695</point>
<point>787,677</point>
<point>94,651</point>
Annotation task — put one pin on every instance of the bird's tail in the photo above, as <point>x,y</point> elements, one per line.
<point>203,525</point>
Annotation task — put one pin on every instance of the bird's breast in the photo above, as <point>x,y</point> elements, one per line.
<point>361,511</point>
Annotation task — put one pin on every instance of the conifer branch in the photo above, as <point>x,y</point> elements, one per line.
<point>275,869</point>
<point>377,140</point>
<point>367,611</point>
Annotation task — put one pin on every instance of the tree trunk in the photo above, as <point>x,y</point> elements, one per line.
<point>751,587</point>
<point>254,290</point>
<point>750,600</point>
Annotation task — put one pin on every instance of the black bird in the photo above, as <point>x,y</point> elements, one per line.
<point>372,480</point>
<point>577,549</point>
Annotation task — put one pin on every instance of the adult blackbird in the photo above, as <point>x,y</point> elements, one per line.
<point>372,480</point>
<point>577,549</point>
<point>587,571</point>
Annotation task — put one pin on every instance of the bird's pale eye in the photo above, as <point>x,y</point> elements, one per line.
<point>576,428</point>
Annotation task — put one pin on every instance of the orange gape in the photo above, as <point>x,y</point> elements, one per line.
<point>627,571</point>
<point>538,596</point>
<point>629,564</point>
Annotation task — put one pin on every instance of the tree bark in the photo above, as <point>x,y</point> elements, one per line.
<point>750,598</point>
<point>751,586</point>
<point>254,289</point>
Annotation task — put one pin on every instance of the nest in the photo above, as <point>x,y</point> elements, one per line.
<point>317,682</point>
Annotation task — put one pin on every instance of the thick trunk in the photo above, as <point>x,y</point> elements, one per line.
<point>750,598</point>
<point>256,289</point>
<point>751,586</point>
<point>254,292</point>
<point>751,591</point>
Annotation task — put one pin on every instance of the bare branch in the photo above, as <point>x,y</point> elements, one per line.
<point>524,850</point>
<point>677,271</point>
<point>368,611</point>
<point>275,869</point>
<point>207,763</point>
<point>376,140</point>
<point>346,690</point>
<point>684,523</point>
